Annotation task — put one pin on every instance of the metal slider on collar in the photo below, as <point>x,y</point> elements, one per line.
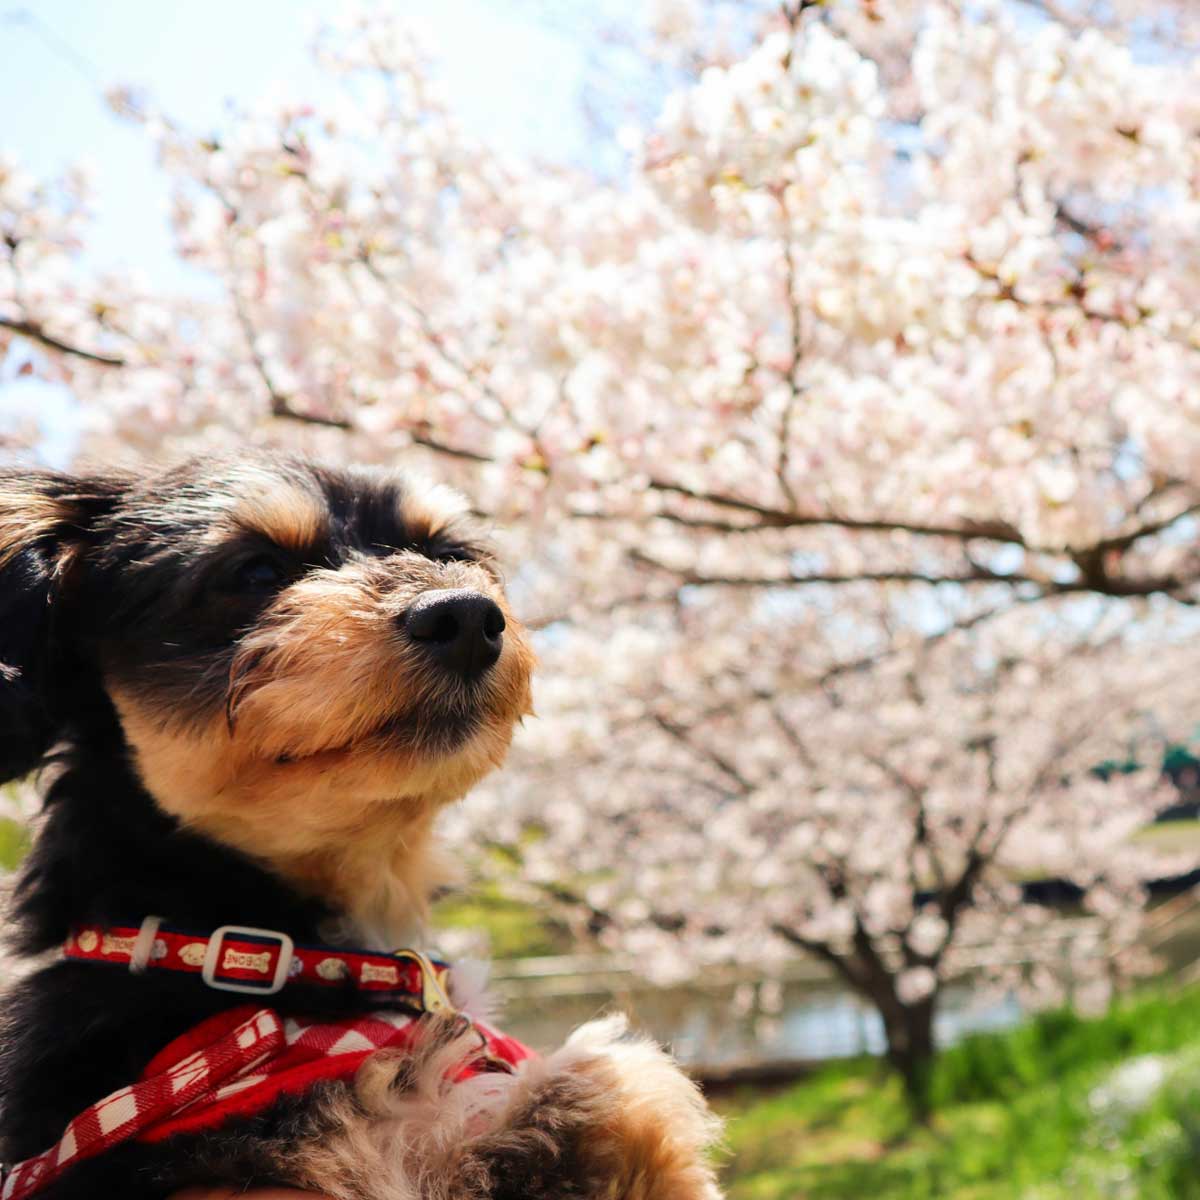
<point>433,996</point>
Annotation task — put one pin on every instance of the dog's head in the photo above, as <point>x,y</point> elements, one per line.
<point>300,659</point>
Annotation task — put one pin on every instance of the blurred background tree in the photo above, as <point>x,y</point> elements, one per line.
<point>840,413</point>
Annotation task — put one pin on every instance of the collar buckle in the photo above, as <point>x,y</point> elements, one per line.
<point>433,995</point>
<point>221,961</point>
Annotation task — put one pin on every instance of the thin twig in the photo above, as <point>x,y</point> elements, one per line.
<point>36,333</point>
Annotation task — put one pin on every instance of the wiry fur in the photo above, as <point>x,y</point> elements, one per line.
<point>606,1116</point>
<point>275,755</point>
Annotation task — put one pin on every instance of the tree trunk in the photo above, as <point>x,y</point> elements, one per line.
<point>907,1027</point>
<point>910,1049</point>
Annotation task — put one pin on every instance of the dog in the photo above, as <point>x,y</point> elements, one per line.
<point>249,685</point>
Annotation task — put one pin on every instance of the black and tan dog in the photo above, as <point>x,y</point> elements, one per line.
<point>251,685</point>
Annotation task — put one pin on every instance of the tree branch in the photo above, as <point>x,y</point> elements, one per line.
<point>718,760</point>
<point>776,518</point>
<point>37,333</point>
<point>689,578</point>
<point>431,443</point>
<point>1123,541</point>
<point>839,962</point>
<point>783,462</point>
<point>1094,578</point>
<point>281,404</point>
<point>281,407</point>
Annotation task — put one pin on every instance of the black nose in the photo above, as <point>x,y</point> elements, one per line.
<point>462,629</point>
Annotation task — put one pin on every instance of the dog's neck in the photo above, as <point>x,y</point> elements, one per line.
<point>378,878</point>
<point>382,885</point>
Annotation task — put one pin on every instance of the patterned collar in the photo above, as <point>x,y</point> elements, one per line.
<point>261,962</point>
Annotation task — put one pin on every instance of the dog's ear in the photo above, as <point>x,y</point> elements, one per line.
<point>46,521</point>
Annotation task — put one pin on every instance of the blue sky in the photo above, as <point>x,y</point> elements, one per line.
<point>515,78</point>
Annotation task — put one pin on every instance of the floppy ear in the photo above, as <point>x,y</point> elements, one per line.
<point>45,520</point>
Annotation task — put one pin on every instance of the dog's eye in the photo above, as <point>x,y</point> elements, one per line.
<point>259,574</point>
<point>448,552</point>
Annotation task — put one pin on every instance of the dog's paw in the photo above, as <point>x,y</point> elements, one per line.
<point>607,1117</point>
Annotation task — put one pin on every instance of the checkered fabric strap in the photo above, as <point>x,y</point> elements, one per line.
<point>236,1064</point>
<point>240,958</point>
<point>127,1112</point>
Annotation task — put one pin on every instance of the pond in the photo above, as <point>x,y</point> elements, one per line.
<point>734,1021</point>
<point>715,1029</point>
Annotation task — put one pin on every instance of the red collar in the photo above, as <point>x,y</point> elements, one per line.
<point>261,962</point>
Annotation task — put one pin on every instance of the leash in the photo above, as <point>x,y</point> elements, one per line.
<point>239,1062</point>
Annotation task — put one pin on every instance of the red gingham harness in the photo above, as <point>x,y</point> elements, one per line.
<point>239,1062</point>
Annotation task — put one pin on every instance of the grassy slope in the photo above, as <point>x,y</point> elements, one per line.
<point>513,929</point>
<point>1018,1116</point>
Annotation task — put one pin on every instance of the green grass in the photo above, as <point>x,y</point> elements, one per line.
<point>1016,1118</point>
<point>513,929</point>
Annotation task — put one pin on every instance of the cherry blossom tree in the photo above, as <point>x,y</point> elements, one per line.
<point>848,442</point>
<point>897,822</point>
